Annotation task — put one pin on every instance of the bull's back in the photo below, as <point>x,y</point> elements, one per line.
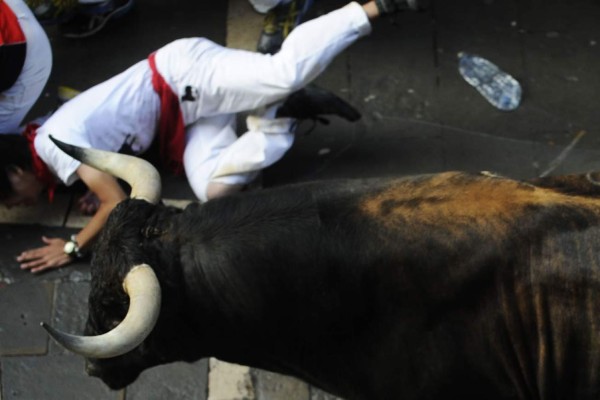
<point>493,281</point>
<point>472,282</point>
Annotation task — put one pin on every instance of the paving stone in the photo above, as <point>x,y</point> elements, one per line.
<point>472,151</point>
<point>522,159</point>
<point>17,238</point>
<point>393,69</point>
<point>70,310</point>
<point>243,25</point>
<point>22,307</point>
<point>173,381</point>
<point>54,377</point>
<point>228,381</point>
<point>558,55</point>
<point>272,386</point>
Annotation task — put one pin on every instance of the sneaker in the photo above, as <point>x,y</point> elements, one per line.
<point>312,102</point>
<point>279,22</point>
<point>392,6</point>
<point>90,19</point>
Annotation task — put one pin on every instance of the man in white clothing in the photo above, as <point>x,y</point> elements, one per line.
<point>185,95</point>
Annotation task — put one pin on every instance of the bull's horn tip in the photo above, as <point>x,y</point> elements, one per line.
<point>57,142</point>
<point>54,334</point>
<point>48,328</point>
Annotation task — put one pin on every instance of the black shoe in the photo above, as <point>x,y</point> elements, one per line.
<point>279,22</point>
<point>312,102</point>
<point>392,6</point>
<point>90,19</point>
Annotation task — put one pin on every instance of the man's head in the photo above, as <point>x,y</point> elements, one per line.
<point>18,184</point>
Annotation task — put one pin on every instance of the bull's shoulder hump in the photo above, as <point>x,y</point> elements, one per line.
<point>452,197</point>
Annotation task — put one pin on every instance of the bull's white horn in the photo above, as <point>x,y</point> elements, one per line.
<point>143,178</point>
<point>143,289</point>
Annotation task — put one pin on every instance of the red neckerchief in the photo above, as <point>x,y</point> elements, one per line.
<point>10,30</point>
<point>171,129</point>
<point>40,169</point>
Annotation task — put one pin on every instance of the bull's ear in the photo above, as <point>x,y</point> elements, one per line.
<point>143,178</point>
<point>143,289</point>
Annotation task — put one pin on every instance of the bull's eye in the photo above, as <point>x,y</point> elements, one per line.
<point>150,231</point>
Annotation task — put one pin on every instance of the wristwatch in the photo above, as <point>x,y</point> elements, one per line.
<point>72,248</point>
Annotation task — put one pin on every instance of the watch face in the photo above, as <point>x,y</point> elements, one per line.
<point>69,247</point>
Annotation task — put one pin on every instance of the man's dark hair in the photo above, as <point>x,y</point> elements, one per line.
<point>14,151</point>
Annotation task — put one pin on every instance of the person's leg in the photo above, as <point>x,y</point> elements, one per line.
<point>218,162</point>
<point>16,102</point>
<point>205,141</point>
<point>242,80</point>
<point>219,80</point>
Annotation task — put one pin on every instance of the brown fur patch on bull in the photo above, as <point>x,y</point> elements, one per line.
<point>454,200</point>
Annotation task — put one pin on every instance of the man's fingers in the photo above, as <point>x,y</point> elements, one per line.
<point>33,264</point>
<point>44,264</point>
<point>30,255</point>
<point>49,256</point>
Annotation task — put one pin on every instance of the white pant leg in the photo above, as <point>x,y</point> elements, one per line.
<point>205,140</point>
<point>242,80</point>
<point>16,102</point>
<point>214,153</point>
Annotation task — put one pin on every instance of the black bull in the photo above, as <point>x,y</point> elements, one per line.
<point>451,285</point>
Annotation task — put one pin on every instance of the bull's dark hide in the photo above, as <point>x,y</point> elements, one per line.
<point>437,286</point>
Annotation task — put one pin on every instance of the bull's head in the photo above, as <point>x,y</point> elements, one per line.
<point>140,282</point>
